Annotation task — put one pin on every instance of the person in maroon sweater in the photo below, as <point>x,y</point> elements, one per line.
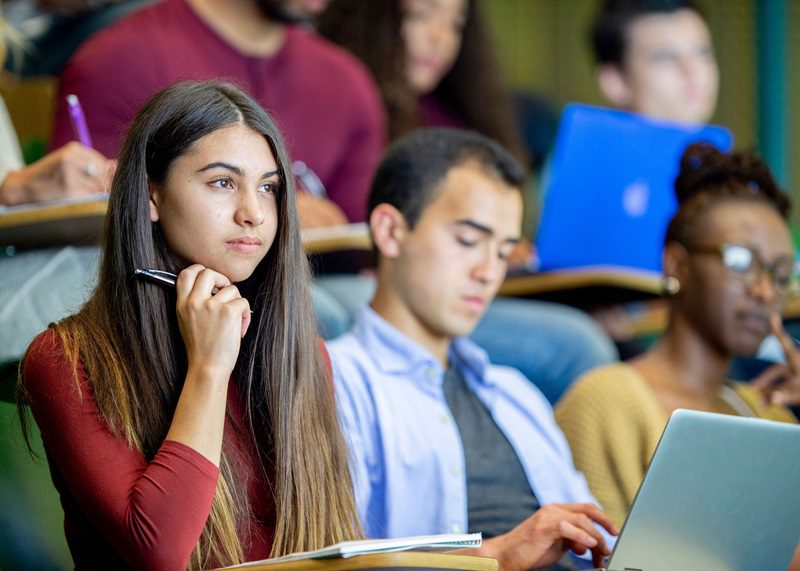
<point>323,99</point>
<point>194,425</point>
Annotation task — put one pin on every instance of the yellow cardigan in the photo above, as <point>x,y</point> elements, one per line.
<point>613,420</point>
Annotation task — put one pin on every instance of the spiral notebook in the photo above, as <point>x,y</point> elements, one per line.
<point>444,542</point>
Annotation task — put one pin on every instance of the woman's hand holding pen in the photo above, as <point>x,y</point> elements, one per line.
<point>213,317</point>
<point>780,384</point>
<point>70,171</point>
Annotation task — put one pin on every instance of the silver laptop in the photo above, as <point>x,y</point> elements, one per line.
<point>722,493</point>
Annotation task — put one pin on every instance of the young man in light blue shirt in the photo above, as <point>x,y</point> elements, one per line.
<point>442,440</point>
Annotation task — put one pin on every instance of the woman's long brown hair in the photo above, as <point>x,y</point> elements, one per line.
<point>473,89</point>
<point>127,340</point>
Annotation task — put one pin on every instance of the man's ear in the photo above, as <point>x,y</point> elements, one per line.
<point>614,86</point>
<point>154,193</point>
<point>388,228</point>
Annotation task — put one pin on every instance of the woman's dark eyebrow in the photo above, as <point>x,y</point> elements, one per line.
<point>226,166</point>
<point>235,169</point>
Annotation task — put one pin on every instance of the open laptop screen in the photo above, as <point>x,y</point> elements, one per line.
<point>610,195</point>
<point>721,494</point>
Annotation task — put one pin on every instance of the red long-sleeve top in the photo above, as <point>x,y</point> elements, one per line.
<point>119,510</point>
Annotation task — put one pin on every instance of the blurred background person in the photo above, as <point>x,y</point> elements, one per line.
<point>30,294</point>
<point>426,56</point>
<point>656,57</point>
<point>323,98</point>
<point>70,171</point>
<point>435,66</point>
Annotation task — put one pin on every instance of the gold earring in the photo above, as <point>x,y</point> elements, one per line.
<point>670,285</point>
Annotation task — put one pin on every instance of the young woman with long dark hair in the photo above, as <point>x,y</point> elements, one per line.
<point>434,63</point>
<point>194,425</point>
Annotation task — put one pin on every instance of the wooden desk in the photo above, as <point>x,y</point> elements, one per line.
<point>55,224</point>
<point>343,249</point>
<point>348,237</point>
<point>404,560</point>
<point>585,287</point>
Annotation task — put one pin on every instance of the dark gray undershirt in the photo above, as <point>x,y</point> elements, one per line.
<point>499,496</point>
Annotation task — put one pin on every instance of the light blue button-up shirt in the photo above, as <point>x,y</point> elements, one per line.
<point>408,458</point>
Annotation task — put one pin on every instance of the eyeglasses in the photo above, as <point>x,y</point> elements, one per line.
<point>748,265</point>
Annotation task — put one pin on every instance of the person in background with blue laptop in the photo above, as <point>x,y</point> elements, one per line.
<point>729,270</point>
<point>656,58</point>
<point>443,440</point>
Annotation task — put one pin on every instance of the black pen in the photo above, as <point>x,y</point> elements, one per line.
<point>160,277</point>
<point>156,276</point>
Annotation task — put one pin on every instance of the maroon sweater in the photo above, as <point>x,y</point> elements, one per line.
<point>119,510</point>
<point>324,101</point>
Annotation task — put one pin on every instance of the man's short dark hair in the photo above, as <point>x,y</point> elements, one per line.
<point>611,26</point>
<point>416,164</point>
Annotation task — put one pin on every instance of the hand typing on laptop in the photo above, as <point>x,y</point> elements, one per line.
<point>540,540</point>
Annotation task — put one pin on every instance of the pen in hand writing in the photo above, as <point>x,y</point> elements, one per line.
<point>160,277</point>
<point>78,120</point>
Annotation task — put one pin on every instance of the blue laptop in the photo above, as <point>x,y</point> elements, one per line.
<point>610,193</point>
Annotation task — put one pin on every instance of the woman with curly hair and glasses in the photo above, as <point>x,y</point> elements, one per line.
<point>729,269</point>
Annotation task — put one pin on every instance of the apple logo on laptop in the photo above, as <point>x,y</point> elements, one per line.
<point>635,199</point>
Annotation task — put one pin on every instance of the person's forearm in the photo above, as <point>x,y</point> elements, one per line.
<point>199,418</point>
